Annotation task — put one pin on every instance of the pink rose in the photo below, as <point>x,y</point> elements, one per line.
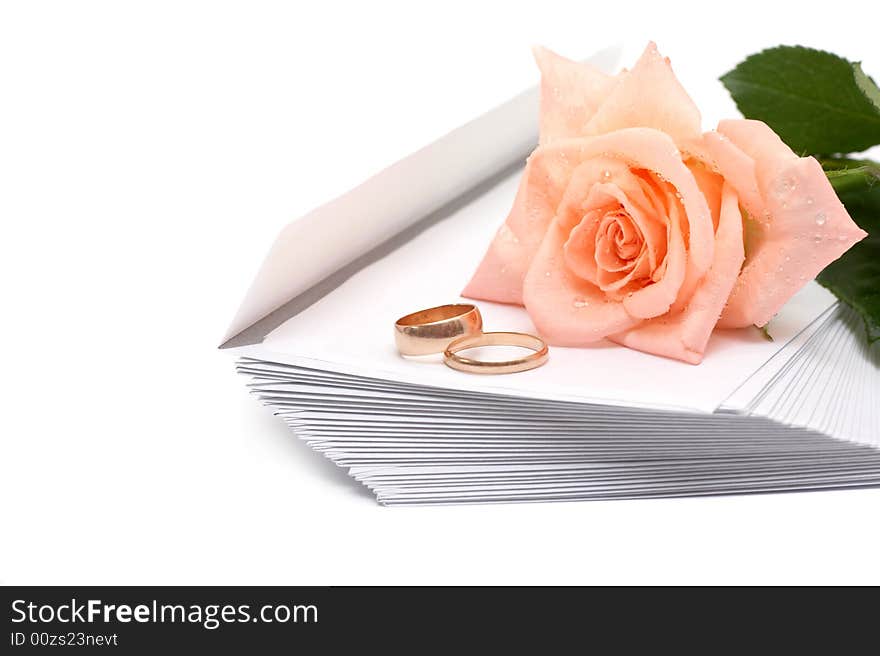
<point>633,225</point>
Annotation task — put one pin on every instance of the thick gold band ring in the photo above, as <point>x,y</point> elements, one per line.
<point>431,330</point>
<point>536,359</point>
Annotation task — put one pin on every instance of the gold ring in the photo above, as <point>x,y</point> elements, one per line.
<point>431,330</point>
<point>536,359</point>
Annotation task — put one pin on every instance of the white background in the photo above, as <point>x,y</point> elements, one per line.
<point>150,151</point>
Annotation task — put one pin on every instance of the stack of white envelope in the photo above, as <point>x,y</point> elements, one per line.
<point>807,419</point>
<point>315,337</point>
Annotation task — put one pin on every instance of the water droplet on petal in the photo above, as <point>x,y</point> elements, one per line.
<point>843,238</point>
<point>580,302</point>
<point>817,238</point>
<point>821,218</point>
<point>606,175</point>
<point>505,233</point>
<point>547,273</point>
<point>809,200</point>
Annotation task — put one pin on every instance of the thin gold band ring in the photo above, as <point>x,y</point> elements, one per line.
<point>540,356</point>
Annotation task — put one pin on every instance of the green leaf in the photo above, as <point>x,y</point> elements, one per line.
<point>867,85</point>
<point>817,102</point>
<point>855,277</point>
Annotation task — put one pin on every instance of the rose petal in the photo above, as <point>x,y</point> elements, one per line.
<point>570,94</point>
<point>699,236</point>
<point>605,250</point>
<point>617,284</point>
<point>735,166</point>
<point>566,309</point>
<point>579,249</point>
<point>648,96</point>
<point>711,185</point>
<point>684,335</point>
<point>625,190</point>
<point>582,193</point>
<point>614,273</point>
<point>548,173</point>
<point>808,228</point>
<point>756,139</point>
<point>654,151</point>
<point>499,276</point>
<point>655,299</point>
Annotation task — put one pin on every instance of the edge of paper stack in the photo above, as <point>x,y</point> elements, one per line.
<point>419,445</point>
